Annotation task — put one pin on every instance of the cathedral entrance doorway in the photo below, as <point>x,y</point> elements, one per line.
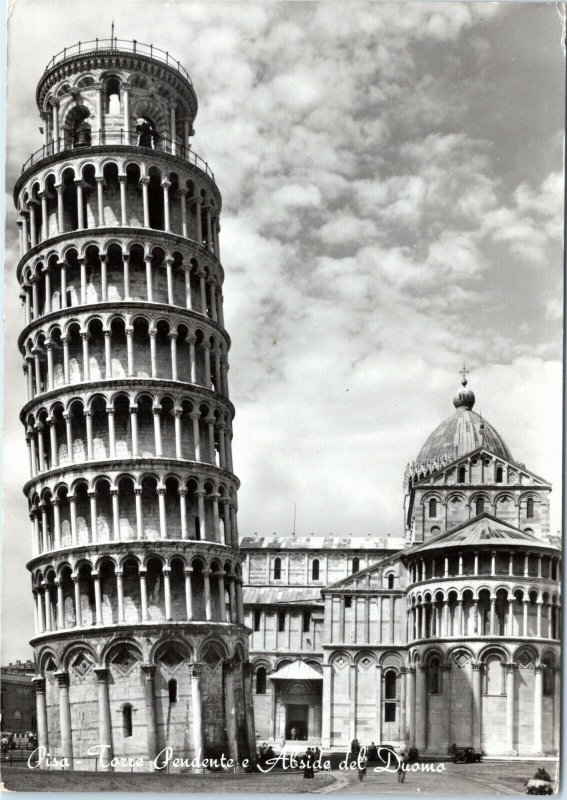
<point>297,722</point>
<point>298,691</point>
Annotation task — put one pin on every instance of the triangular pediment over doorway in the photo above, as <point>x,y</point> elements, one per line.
<point>296,671</point>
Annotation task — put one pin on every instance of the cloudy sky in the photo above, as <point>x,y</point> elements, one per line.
<point>392,186</point>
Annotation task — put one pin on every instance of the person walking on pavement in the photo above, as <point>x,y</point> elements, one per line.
<point>400,768</point>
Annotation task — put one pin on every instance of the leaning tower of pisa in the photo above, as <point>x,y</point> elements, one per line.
<point>139,636</point>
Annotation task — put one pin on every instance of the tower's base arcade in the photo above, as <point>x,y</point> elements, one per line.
<point>144,699</point>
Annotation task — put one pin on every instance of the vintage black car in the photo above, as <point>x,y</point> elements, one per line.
<point>466,755</point>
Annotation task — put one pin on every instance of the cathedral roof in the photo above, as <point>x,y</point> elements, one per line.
<point>274,595</point>
<point>481,531</point>
<point>461,433</point>
<point>331,542</point>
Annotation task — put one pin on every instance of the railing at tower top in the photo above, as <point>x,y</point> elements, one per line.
<point>123,45</point>
<point>132,138</point>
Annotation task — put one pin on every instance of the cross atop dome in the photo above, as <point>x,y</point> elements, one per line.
<point>465,397</point>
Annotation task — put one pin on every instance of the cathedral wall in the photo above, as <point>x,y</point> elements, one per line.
<point>263,712</point>
<point>292,638</point>
<point>296,568</point>
<point>508,503</point>
<point>366,700</point>
<point>340,705</point>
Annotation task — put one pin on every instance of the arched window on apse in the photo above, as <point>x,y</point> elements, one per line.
<point>261,680</point>
<point>530,508</point>
<point>172,690</point>
<point>355,564</point>
<point>390,685</point>
<point>390,581</point>
<point>499,475</point>
<point>315,570</point>
<point>432,508</point>
<point>480,505</point>
<point>462,474</point>
<point>277,569</point>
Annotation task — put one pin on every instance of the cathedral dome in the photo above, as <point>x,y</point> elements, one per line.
<point>462,432</point>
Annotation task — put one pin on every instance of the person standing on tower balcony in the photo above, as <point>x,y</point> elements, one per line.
<point>146,135</point>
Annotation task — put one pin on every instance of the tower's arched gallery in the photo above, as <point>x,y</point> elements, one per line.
<point>144,636</point>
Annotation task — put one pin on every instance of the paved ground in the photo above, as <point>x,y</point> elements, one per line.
<point>488,778</point>
<point>18,779</point>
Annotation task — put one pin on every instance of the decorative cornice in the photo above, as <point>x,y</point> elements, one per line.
<point>69,156</point>
<point>133,465</point>
<point>193,546</point>
<point>120,232</point>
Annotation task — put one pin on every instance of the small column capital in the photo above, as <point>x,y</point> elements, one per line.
<point>62,677</point>
<point>478,666</point>
<point>38,683</point>
<point>101,674</point>
<point>196,670</point>
<point>148,670</point>
<point>511,668</point>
